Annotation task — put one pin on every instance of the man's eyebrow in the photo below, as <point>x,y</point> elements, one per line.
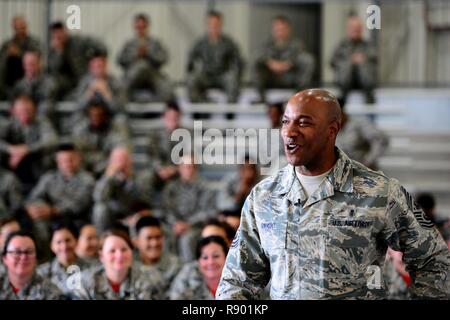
<point>302,116</point>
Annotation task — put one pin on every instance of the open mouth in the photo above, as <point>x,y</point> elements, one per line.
<point>292,147</point>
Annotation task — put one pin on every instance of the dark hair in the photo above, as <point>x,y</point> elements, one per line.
<point>212,239</point>
<point>172,105</point>
<point>98,53</point>
<point>147,221</point>
<point>116,233</point>
<point>230,213</point>
<point>426,201</point>
<point>63,225</point>
<point>57,25</point>
<point>20,233</point>
<point>214,14</point>
<point>221,224</point>
<point>66,146</point>
<point>282,18</point>
<point>142,16</point>
<point>279,106</point>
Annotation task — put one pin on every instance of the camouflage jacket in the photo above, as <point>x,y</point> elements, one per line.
<point>10,193</point>
<point>39,288</point>
<point>58,274</point>
<point>39,135</point>
<point>157,55</point>
<point>72,196</point>
<point>139,285</point>
<point>190,285</point>
<point>332,244</point>
<point>215,59</point>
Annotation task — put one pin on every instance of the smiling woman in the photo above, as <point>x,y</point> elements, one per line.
<point>118,278</point>
<point>199,279</point>
<point>21,282</point>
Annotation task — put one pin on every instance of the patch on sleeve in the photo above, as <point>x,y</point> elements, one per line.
<point>420,216</point>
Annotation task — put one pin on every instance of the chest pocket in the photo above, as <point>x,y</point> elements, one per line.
<point>349,229</point>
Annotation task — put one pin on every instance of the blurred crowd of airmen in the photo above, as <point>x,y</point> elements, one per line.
<point>77,220</point>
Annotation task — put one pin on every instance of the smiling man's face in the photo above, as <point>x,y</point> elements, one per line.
<point>308,129</point>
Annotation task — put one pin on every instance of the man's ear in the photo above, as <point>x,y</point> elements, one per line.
<point>334,128</point>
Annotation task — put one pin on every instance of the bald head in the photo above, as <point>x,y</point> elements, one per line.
<point>323,100</point>
<point>19,25</point>
<point>311,122</point>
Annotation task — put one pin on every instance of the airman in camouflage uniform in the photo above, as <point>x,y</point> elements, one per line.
<point>10,194</point>
<point>361,140</point>
<point>59,275</point>
<point>189,284</point>
<point>284,63</point>
<point>214,61</point>
<point>69,56</point>
<point>117,194</point>
<point>187,202</point>
<point>168,266</point>
<point>329,245</point>
<point>99,84</point>
<point>142,58</point>
<point>97,135</point>
<point>35,134</point>
<point>355,62</point>
<point>139,285</point>
<point>11,53</point>
<point>37,85</point>
<point>38,289</point>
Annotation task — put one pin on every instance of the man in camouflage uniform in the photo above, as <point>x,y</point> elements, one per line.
<point>25,142</point>
<point>355,62</point>
<point>11,53</point>
<point>152,250</point>
<point>37,85</point>
<point>160,146</point>
<point>10,194</point>
<point>65,192</point>
<point>99,84</point>
<point>117,194</point>
<point>187,202</point>
<point>97,135</point>
<point>214,61</point>
<point>361,140</point>
<point>319,228</point>
<point>142,58</point>
<point>284,63</point>
<point>69,56</point>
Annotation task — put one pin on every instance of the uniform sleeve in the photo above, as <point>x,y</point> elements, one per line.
<point>39,194</point>
<point>247,269</point>
<point>157,54</point>
<point>79,201</point>
<point>127,55</point>
<point>425,254</point>
<point>47,137</point>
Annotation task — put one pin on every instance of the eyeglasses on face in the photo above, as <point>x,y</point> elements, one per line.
<point>18,253</point>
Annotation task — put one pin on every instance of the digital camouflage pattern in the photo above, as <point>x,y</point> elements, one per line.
<point>323,247</point>
<point>39,288</point>
<point>139,285</point>
<point>189,284</point>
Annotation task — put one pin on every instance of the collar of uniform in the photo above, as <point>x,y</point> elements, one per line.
<point>340,177</point>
